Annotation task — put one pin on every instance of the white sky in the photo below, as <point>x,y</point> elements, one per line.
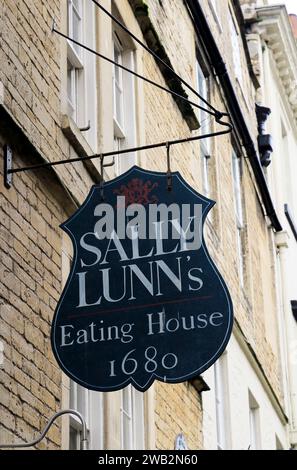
<point>290,4</point>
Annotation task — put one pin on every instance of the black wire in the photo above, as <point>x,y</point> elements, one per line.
<point>151,82</point>
<point>150,51</point>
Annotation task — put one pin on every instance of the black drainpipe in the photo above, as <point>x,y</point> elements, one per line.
<point>204,34</point>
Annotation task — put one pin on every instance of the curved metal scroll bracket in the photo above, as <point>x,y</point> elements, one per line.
<point>83,441</point>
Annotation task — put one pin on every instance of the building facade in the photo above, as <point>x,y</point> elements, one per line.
<point>273,34</point>
<point>59,101</point>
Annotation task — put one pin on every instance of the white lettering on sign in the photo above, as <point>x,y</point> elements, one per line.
<point>156,276</point>
<point>94,333</point>
<point>155,281</point>
<point>157,323</point>
<point>129,364</point>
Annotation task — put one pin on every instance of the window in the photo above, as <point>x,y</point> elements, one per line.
<point>214,8</point>
<point>203,90</point>
<point>278,444</point>
<point>132,419</point>
<point>286,164</point>
<point>124,102</point>
<point>75,75</point>
<point>90,405</point>
<point>213,4</point>
<point>254,423</point>
<point>118,99</point>
<point>75,22</point>
<point>79,401</point>
<point>81,68</point>
<point>237,188</point>
<point>235,42</point>
<point>222,403</point>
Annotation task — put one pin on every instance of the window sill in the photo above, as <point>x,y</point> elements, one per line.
<point>118,130</point>
<point>80,145</point>
<point>73,57</point>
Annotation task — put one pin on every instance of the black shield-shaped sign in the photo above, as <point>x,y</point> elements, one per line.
<point>143,300</point>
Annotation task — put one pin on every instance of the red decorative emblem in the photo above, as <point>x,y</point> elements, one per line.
<point>137,192</point>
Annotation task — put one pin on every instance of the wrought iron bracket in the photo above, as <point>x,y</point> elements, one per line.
<point>8,170</point>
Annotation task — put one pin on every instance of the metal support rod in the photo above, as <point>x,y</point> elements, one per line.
<point>83,441</point>
<point>128,150</point>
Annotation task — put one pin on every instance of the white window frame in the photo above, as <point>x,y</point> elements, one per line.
<point>125,131</point>
<point>236,50</point>
<point>78,396</point>
<point>205,144</point>
<point>75,10</point>
<point>81,70</point>
<point>278,443</point>
<point>214,9</point>
<point>222,403</point>
<point>238,208</point>
<point>75,64</point>
<point>90,405</point>
<point>132,419</point>
<point>205,175</point>
<point>213,4</point>
<point>254,423</point>
<point>118,114</point>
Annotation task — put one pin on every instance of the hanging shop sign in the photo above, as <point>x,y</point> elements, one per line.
<point>144,300</point>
